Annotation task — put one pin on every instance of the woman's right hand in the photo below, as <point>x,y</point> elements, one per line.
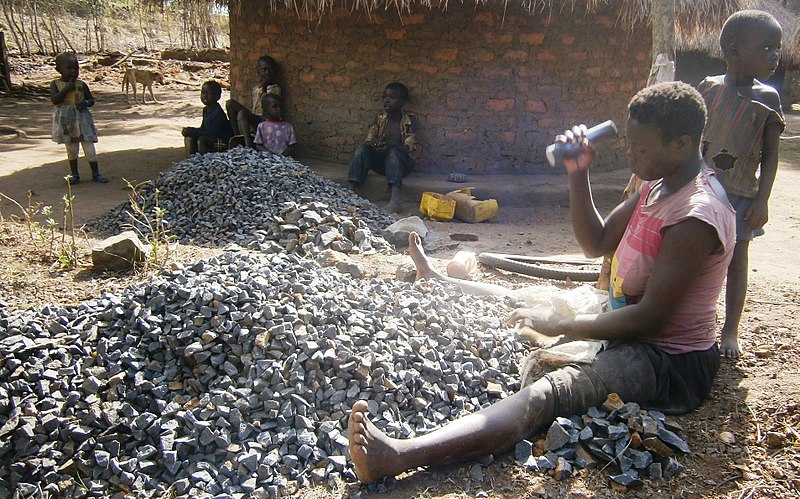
<point>581,156</point>
<point>541,319</point>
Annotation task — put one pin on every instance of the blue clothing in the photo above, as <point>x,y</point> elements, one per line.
<point>215,124</point>
<point>740,204</point>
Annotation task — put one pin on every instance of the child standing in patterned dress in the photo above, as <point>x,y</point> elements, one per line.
<point>72,121</point>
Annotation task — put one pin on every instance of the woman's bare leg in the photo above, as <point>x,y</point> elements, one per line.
<point>426,271</point>
<point>493,430</point>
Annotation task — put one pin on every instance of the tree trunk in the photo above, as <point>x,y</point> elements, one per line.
<point>54,24</point>
<point>5,70</point>
<point>662,62</point>
<point>662,68</point>
<point>87,42</point>
<point>8,7</point>
<point>35,21</point>
<point>20,25</point>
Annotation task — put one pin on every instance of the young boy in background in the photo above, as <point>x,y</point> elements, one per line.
<point>274,134</point>
<point>215,129</point>
<point>388,146</point>
<point>741,143</point>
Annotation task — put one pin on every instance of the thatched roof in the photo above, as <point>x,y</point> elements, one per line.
<point>707,40</point>
<point>698,21</point>
<point>692,13</point>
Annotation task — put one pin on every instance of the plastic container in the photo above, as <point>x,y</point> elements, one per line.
<point>437,206</point>
<point>469,209</point>
<point>462,264</point>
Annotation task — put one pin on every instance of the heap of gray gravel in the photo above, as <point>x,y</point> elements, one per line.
<point>255,200</point>
<point>235,376</point>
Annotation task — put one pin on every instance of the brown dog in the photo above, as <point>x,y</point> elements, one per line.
<point>144,76</point>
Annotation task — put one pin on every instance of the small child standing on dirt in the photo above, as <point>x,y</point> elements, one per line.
<point>215,129</point>
<point>274,134</point>
<point>72,121</point>
<point>740,142</point>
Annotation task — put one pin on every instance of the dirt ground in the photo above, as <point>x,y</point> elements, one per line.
<point>756,398</point>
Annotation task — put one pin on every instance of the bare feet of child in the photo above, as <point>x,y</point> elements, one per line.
<point>424,269</point>
<point>374,455</point>
<point>394,202</point>
<point>729,345</point>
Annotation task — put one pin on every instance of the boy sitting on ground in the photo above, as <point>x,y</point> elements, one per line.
<point>274,134</point>
<point>388,147</point>
<point>215,129</point>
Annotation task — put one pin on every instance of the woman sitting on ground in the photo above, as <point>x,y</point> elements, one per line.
<point>673,242</point>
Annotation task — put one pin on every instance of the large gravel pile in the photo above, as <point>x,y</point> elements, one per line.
<point>235,375</point>
<point>256,200</point>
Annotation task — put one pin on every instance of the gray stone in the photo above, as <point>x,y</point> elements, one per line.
<point>562,470</point>
<point>628,479</point>
<point>397,233</point>
<point>557,437</point>
<point>476,472</point>
<point>523,451</point>
<point>120,252</point>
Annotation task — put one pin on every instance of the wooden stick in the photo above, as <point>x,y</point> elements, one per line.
<point>183,82</point>
<point>122,60</point>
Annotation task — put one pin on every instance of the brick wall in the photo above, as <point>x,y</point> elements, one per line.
<point>490,89</point>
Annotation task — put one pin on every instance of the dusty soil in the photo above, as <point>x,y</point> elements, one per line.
<point>755,398</point>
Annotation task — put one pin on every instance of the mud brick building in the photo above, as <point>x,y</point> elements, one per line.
<point>491,82</point>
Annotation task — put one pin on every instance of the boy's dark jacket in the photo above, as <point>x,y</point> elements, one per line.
<point>215,124</point>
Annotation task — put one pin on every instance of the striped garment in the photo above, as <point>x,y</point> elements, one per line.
<point>734,134</point>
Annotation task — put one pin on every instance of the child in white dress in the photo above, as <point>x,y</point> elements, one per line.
<point>72,121</point>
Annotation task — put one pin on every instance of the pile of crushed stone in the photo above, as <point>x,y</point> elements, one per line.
<point>255,200</point>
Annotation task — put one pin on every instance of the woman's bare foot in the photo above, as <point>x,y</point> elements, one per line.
<point>426,271</point>
<point>374,455</point>
<point>729,345</point>
<point>421,262</point>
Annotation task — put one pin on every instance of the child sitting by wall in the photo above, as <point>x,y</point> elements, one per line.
<point>215,130</point>
<point>274,134</point>
<point>245,121</point>
<point>388,147</point>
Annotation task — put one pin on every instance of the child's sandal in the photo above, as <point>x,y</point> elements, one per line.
<point>99,178</point>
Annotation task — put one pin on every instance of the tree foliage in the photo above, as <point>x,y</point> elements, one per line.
<point>52,26</point>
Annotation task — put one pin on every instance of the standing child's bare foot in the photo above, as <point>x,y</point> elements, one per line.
<point>729,345</point>
<point>374,455</point>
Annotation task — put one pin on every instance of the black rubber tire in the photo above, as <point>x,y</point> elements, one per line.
<point>537,266</point>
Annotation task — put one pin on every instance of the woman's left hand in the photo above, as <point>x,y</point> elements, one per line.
<point>541,319</point>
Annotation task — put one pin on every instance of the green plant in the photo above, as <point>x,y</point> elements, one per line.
<point>52,244</point>
<point>149,224</point>
<point>68,249</point>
